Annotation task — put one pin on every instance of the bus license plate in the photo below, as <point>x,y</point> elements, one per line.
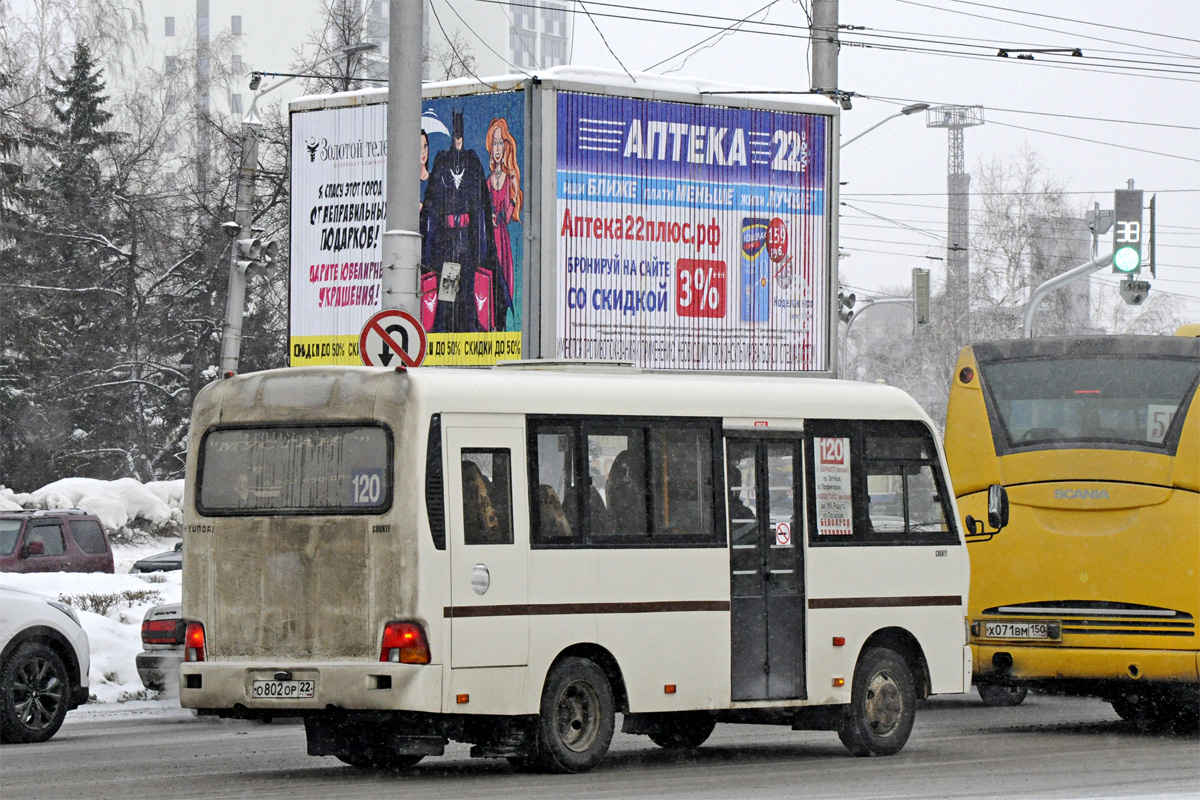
<point>283,690</point>
<point>1016,630</point>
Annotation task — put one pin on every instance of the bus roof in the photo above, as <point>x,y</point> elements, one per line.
<point>1086,346</point>
<point>571,391</point>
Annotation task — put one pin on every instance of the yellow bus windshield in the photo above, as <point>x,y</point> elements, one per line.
<point>1088,401</point>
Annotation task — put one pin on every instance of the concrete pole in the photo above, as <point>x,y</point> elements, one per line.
<point>402,239</point>
<point>235,301</point>
<point>825,46</point>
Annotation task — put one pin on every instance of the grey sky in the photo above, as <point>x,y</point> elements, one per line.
<point>1058,109</point>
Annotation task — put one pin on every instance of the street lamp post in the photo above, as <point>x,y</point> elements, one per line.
<point>242,227</point>
<point>904,112</point>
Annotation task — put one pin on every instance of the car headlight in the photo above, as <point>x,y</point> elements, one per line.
<point>66,609</point>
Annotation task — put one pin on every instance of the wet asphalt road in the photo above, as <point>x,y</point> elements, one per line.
<point>1050,747</point>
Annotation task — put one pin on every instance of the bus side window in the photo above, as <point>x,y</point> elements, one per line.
<point>487,496</point>
<point>904,503</point>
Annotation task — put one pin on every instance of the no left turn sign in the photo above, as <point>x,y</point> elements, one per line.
<point>392,334</point>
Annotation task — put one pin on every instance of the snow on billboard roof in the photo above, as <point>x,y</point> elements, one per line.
<point>607,81</point>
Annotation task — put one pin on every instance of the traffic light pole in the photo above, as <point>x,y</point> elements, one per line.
<point>867,303</point>
<point>1057,282</point>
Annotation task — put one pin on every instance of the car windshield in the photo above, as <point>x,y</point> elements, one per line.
<point>9,530</point>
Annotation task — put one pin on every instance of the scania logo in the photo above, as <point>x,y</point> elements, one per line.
<point>1081,494</point>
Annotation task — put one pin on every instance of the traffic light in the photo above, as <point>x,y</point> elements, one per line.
<point>846,303</point>
<point>255,252</point>
<point>1127,231</point>
<point>920,280</point>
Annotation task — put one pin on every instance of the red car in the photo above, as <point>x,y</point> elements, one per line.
<point>67,540</point>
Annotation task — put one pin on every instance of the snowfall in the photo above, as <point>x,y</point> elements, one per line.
<point>141,520</point>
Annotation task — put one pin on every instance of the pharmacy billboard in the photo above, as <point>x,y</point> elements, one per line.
<point>691,236</point>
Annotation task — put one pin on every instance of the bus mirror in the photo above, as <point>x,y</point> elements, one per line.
<point>997,516</point>
<point>997,506</point>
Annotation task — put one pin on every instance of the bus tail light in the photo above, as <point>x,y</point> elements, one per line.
<point>194,642</point>
<point>404,643</point>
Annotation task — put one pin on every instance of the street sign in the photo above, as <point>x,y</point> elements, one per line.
<point>392,336</point>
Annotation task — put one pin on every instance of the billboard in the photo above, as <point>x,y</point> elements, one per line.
<point>691,236</point>
<point>472,216</point>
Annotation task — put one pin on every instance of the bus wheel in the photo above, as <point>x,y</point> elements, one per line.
<point>684,731</point>
<point>997,696</point>
<point>577,717</point>
<point>377,758</point>
<point>882,705</point>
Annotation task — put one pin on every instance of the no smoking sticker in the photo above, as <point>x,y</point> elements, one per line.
<point>783,534</point>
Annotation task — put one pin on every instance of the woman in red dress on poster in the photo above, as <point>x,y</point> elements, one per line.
<point>504,185</point>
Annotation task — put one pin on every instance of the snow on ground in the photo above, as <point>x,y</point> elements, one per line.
<point>142,520</point>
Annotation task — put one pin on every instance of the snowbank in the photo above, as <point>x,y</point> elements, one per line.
<point>125,506</point>
<point>154,512</point>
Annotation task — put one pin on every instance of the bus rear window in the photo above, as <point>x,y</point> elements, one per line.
<point>314,469</point>
<point>1081,401</point>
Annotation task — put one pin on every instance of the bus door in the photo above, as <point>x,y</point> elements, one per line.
<point>766,568</point>
<point>487,495</point>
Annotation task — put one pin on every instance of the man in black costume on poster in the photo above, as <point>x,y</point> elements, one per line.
<point>456,227</point>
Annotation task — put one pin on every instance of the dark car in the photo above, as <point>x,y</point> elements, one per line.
<point>162,647</point>
<point>63,540</point>
<point>161,562</point>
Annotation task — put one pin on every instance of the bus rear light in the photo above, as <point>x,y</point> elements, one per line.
<point>839,683</point>
<point>404,643</point>
<point>462,699</point>
<point>194,642</point>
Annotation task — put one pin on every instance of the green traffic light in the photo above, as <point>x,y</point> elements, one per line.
<point>1127,259</point>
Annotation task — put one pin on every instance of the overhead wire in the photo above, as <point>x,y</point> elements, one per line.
<point>787,30</point>
<point>1124,28</point>
<point>450,42</point>
<point>605,40</point>
<point>1040,27</point>
<point>1140,122</point>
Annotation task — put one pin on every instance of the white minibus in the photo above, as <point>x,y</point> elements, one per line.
<point>511,557</point>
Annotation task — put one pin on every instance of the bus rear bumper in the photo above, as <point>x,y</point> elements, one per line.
<point>1004,663</point>
<point>228,689</point>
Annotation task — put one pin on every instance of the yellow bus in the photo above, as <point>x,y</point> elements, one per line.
<point>1093,587</point>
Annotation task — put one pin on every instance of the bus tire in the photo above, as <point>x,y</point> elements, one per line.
<point>882,708</point>
<point>1001,696</point>
<point>378,759</point>
<point>577,719</point>
<point>684,731</point>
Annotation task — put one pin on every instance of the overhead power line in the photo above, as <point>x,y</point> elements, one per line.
<point>1124,28</point>
<point>1057,31</point>
<point>1140,122</point>
<point>848,39</point>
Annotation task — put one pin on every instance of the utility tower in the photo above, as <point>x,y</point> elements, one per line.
<point>958,226</point>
